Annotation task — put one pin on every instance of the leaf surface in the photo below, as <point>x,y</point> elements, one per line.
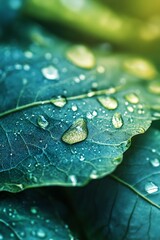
<point>62,124</point>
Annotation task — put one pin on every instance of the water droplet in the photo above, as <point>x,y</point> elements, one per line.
<point>108,102</point>
<point>151,187</point>
<point>91,115</point>
<point>132,98</point>
<point>155,162</point>
<point>94,174</point>
<point>130,109</point>
<point>154,87</point>
<point>78,132</point>
<point>74,108</point>
<point>73,179</point>
<point>42,122</point>
<point>81,56</point>
<point>33,210</point>
<point>41,233</point>
<point>50,72</point>
<point>117,120</point>
<point>82,158</point>
<point>1,237</point>
<point>59,102</point>
<point>100,69</point>
<point>140,68</point>
<point>28,54</point>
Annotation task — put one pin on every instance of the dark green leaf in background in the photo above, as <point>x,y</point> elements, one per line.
<point>33,214</point>
<point>125,205</point>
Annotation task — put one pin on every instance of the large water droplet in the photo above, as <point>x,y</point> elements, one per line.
<point>81,56</point>
<point>154,87</point>
<point>117,120</point>
<point>78,132</point>
<point>42,122</point>
<point>155,162</point>
<point>50,72</point>
<point>59,102</point>
<point>108,102</point>
<point>132,98</point>
<point>151,187</point>
<point>140,68</point>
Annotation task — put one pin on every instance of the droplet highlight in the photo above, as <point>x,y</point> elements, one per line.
<point>78,132</point>
<point>81,56</point>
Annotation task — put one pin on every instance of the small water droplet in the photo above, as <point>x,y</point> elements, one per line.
<point>73,179</point>
<point>82,158</point>
<point>130,109</point>
<point>42,122</point>
<point>91,115</point>
<point>117,120</point>
<point>28,54</point>
<point>151,187</point>
<point>108,102</point>
<point>59,102</point>
<point>154,87</point>
<point>33,210</point>
<point>74,108</point>
<point>140,68</point>
<point>100,69</point>
<point>81,56</point>
<point>41,233</point>
<point>78,132</point>
<point>50,73</point>
<point>94,174</point>
<point>132,98</point>
<point>155,162</point>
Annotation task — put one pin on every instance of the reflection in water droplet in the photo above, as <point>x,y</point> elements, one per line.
<point>59,102</point>
<point>155,162</point>
<point>132,98</point>
<point>81,56</point>
<point>108,102</point>
<point>150,188</point>
<point>117,120</point>
<point>76,133</point>
<point>42,122</point>
<point>154,87</point>
<point>41,233</point>
<point>50,73</point>
<point>73,179</point>
<point>140,68</point>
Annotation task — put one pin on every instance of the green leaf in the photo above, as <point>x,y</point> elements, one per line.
<point>62,123</point>
<point>126,205</point>
<point>33,214</point>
